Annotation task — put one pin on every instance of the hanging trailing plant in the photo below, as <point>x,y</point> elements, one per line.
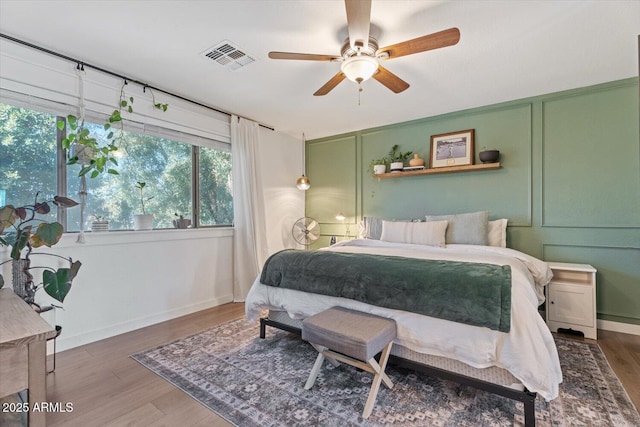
<point>84,148</point>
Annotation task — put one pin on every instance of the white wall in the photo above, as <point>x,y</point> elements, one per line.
<point>129,279</point>
<point>281,165</point>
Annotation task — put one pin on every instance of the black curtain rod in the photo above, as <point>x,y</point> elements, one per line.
<point>120,76</point>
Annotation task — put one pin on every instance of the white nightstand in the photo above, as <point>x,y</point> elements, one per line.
<point>571,298</point>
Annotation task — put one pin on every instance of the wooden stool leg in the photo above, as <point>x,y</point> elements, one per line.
<point>314,372</point>
<point>321,349</point>
<point>384,358</point>
<point>377,379</point>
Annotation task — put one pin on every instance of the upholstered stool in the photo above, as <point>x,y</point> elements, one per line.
<point>354,338</point>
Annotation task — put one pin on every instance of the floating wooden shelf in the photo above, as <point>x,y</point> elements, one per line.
<point>448,169</point>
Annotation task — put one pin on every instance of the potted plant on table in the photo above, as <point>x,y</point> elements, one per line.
<point>23,231</point>
<point>397,158</point>
<point>142,221</point>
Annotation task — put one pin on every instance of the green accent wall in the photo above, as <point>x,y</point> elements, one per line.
<point>569,182</point>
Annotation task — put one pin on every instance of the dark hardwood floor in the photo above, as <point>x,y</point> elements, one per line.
<point>108,388</point>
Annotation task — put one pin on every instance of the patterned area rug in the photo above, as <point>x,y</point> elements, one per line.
<point>260,382</point>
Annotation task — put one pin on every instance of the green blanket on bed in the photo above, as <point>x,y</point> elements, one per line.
<point>472,293</point>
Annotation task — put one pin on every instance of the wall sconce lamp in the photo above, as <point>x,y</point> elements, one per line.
<point>340,217</point>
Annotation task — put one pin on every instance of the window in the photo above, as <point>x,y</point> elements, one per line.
<point>216,203</point>
<point>28,138</point>
<point>27,156</point>
<point>163,165</point>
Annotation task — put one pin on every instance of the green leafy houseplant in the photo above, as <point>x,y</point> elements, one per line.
<point>85,149</point>
<point>142,221</point>
<point>140,186</point>
<point>181,221</point>
<point>22,230</point>
<point>398,156</point>
<point>375,162</point>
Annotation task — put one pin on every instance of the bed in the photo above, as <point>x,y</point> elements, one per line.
<point>518,364</point>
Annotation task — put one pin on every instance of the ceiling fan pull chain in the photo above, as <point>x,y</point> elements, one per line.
<point>359,92</point>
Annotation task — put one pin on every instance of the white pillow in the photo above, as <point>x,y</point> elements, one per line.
<point>419,233</point>
<point>465,229</point>
<point>497,235</point>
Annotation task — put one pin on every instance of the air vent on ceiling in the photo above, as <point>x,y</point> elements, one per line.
<point>228,55</point>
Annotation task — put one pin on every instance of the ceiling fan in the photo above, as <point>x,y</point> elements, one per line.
<point>360,55</point>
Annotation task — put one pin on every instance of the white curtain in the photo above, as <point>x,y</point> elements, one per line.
<point>250,242</point>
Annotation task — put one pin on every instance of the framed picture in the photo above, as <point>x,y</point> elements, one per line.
<point>452,149</point>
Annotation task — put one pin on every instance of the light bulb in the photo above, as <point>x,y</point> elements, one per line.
<point>303,183</point>
<point>359,68</point>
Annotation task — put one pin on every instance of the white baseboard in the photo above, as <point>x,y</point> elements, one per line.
<point>626,328</point>
<point>66,343</point>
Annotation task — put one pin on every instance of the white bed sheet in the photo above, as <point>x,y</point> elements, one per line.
<point>527,351</point>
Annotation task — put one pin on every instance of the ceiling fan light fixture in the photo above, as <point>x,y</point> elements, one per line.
<point>359,68</point>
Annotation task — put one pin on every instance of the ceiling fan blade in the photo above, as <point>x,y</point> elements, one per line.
<point>421,44</point>
<point>390,80</point>
<point>358,21</point>
<point>302,56</point>
<point>328,86</point>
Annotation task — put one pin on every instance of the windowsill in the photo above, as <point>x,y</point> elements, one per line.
<point>129,236</point>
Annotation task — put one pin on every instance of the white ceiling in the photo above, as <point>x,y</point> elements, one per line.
<point>507,50</point>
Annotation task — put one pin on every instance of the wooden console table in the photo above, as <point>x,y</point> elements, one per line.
<point>23,352</point>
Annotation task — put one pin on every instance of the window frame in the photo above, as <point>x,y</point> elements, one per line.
<point>131,126</point>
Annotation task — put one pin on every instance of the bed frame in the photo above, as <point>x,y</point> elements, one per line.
<point>526,397</point>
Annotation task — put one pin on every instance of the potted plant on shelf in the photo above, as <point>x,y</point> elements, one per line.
<point>181,221</point>
<point>378,166</point>
<point>99,224</point>
<point>142,221</point>
<point>23,231</point>
<point>397,158</point>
